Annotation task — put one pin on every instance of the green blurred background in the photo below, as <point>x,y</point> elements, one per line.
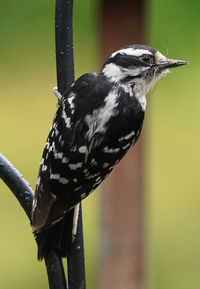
<point>171,130</point>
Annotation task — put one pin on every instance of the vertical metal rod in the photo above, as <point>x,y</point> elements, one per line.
<point>64,44</point>
<point>55,271</point>
<point>75,259</point>
<point>65,77</point>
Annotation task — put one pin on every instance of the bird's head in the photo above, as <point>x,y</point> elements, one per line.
<point>138,65</point>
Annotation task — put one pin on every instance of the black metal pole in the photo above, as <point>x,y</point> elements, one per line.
<point>55,271</point>
<point>75,259</point>
<point>65,77</point>
<point>64,44</point>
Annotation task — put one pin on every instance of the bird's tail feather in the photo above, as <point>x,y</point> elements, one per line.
<point>58,237</point>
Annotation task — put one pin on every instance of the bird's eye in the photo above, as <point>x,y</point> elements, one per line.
<point>147,59</point>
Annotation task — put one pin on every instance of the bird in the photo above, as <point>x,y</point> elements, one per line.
<point>98,119</point>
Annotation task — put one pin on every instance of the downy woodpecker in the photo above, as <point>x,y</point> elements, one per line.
<point>98,119</point>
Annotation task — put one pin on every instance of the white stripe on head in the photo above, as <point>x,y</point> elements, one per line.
<point>132,52</point>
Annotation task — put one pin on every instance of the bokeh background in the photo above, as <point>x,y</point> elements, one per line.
<point>171,135</point>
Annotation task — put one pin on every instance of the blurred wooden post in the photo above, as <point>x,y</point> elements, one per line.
<point>122,264</point>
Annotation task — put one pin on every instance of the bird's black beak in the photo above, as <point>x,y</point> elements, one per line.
<point>171,63</point>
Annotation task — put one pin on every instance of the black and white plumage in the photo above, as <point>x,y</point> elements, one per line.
<point>97,121</point>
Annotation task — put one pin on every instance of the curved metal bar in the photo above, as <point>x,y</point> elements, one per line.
<point>24,194</point>
<point>17,184</point>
